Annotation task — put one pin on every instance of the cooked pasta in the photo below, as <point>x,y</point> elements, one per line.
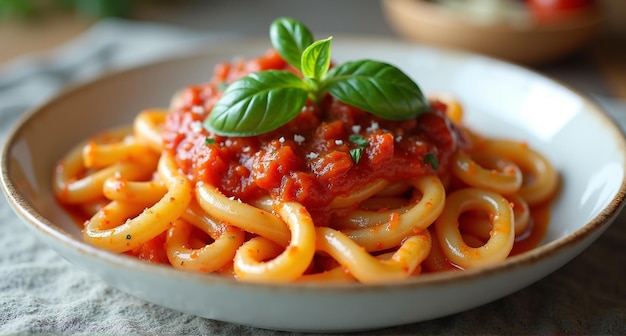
<point>295,204</point>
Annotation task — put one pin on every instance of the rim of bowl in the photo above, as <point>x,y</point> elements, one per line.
<point>36,220</point>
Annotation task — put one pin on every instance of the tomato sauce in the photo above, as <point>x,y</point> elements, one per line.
<point>307,160</point>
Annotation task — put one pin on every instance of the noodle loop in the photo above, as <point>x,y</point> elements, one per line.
<point>337,194</point>
<point>292,262</point>
<point>502,235</point>
<point>115,229</point>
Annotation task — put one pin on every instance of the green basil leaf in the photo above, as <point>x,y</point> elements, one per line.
<point>316,59</point>
<point>376,87</point>
<point>258,103</point>
<point>290,38</point>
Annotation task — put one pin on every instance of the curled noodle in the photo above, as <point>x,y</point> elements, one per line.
<point>138,191</point>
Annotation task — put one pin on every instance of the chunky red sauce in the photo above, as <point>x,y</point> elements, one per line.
<point>308,160</point>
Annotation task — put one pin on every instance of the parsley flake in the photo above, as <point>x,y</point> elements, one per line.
<point>431,159</point>
<point>356,154</point>
<point>359,140</point>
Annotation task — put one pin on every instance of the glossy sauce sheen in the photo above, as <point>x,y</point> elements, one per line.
<point>308,160</point>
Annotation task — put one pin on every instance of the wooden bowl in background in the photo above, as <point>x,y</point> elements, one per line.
<point>516,39</point>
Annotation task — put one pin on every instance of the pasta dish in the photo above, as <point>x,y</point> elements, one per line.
<point>256,176</point>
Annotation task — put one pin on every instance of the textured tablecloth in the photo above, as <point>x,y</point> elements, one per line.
<point>42,293</point>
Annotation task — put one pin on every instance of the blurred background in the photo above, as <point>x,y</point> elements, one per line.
<point>582,42</point>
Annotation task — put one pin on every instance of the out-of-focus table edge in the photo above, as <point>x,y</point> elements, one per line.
<point>606,53</point>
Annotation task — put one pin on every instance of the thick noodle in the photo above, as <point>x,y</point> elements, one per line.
<point>135,196</point>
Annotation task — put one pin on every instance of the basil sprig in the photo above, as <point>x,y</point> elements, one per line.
<point>264,101</point>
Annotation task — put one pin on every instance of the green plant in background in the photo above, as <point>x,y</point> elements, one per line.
<point>99,8</point>
<point>95,9</point>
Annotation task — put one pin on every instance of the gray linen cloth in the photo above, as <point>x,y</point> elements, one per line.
<point>42,293</point>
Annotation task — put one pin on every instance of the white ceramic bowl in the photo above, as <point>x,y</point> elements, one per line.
<point>500,99</point>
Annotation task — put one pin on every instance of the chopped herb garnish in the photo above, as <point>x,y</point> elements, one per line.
<point>431,159</point>
<point>359,140</point>
<point>209,141</point>
<point>356,154</point>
